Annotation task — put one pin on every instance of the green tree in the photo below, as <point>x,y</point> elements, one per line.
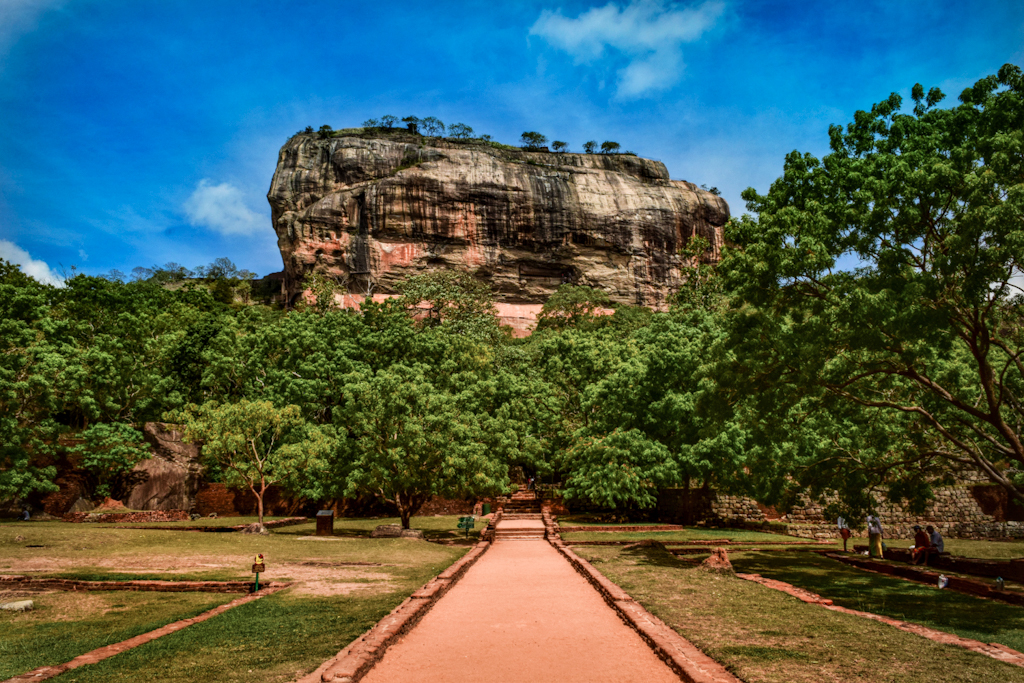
<point>927,331</point>
<point>453,300</point>
<point>325,132</point>
<point>258,445</point>
<point>573,306</point>
<point>412,122</point>
<point>590,146</point>
<point>388,121</point>
<point>432,126</point>
<point>533,140</point>
<point>108,453</point>
<point>559,146</point>
<point>322,290</point>
<point>27,399</point>
<point>372,123</point>
<point>407,440</point>
<point>609,147</point>
<point>460,131</point>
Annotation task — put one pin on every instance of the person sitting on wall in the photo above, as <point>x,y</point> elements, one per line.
<point>938,546</point>
<point>922,545</point>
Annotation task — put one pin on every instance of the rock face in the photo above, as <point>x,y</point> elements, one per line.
<point>172,475</point>
<point>370,211</point>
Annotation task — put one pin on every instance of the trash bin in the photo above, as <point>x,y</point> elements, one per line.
<point>325,523</point>
<point>486,508</point>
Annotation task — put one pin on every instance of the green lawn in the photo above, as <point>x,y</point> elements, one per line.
<point>766,636</point>
<point>985,620</point>
<point>688,534</point>
<point>343,585</point>
<point>985,550</point>
<point>67,624</point>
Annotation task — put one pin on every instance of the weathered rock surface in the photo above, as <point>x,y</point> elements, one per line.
<point>172,475</point>
<point>372,211</point>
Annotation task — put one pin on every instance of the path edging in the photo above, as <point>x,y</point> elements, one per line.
<point>682,656</point>
<point>99,654</point>
<point>974,587</point>
<point>359,656</point>
<point>32,583</point>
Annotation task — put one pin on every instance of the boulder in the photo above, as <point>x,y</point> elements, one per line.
<point>387,531</point>
<point>19,606</point>
<point>171,478</point>
<point>255,528</point>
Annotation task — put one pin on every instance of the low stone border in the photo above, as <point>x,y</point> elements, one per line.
<point>99,654</point>
<point>273,524</point>
<point>994,650</point>
<point>31,583</point>
<point>142,516</point>
<point>688,662</point>
<point>716,543</point>
<point>921,575</point>
<point>352,663</point>
<point>621,529</point>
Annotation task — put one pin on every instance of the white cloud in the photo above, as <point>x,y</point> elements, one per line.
<point>82,255</point>
<point>650,32</point>
<point>11,252</point>
<point>222,208</point>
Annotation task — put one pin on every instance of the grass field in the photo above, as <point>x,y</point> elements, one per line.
<point>342,586</point>
<point>985,620</point>
<point>41,637</point>
<point>688,534</point>
<point>766,636</point>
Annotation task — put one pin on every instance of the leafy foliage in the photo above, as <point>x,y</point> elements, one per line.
<point>927,333</point>
<point>257,445</point>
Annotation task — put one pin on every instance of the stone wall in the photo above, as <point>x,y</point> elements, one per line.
<point>961,511</point>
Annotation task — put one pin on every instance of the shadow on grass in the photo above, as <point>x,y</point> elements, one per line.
<point>965,615</point>
<point>652,556</point>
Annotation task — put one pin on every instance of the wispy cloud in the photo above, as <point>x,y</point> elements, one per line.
<point>222,208</point>
<point>12,253</point>
<point>650,33</point>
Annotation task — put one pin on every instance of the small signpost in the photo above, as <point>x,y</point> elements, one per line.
<point>258,567</point>
<point>467,523</point>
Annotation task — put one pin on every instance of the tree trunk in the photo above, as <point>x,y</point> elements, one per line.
<point>259,501</point>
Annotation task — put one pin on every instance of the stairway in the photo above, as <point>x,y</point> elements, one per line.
<point>521,519</point>
<point>522,505</point>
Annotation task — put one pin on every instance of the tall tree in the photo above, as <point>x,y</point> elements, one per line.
<point>407,440</point>
<point>929,327</point>
<point>258,445</point>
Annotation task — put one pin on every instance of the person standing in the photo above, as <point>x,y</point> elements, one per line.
<point>936,538</point>
<point>875,536</point>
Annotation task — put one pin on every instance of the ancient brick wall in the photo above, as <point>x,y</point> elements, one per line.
<point>956,511</point>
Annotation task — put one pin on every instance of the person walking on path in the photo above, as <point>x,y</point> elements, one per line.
<point>874,536</point>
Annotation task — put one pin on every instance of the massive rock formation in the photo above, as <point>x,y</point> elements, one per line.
<point>370,211</point>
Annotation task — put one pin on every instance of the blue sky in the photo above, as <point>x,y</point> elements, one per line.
<point>138,132</point>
